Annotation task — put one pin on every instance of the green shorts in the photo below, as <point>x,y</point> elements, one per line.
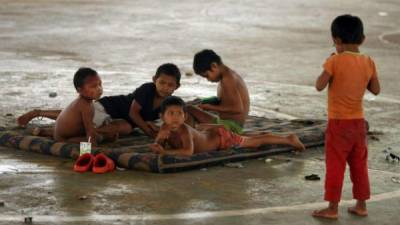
<point>231,125</point>
<point>214,100</point>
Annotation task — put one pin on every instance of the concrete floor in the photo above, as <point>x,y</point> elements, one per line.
<point>278,46</point>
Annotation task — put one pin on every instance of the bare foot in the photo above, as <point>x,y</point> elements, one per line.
<point>358,211</point>
<point>24,119</point>
<point>326,213</point>
<point>296,143</point>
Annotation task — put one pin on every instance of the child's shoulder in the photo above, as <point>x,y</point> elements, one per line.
<point>185,129</point>
<point>145,88</point>
<point>147,85</point>
<point>344,58</point>
<point>349,56</point>
<point>82,103</point>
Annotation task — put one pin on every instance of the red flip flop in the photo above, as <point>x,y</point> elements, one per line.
<point>102,164</point>
<point>84,163</point>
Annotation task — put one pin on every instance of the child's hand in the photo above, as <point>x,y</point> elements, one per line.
<point>163,134</point>
<point>152,126</point>
<point>205,106</point>
<point>157,148</point>
<point>150,132</point>
<point>196,101</point>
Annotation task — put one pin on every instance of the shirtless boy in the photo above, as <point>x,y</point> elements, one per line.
<point>233,100</point>
<point>75,122</point>
<point>177,138</point>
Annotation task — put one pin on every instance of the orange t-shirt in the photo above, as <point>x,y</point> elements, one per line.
<point>351,73</point>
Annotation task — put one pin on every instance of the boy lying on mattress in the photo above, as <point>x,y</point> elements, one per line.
<point>177,138</point>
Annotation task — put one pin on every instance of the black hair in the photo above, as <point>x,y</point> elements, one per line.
<point>81,75</point>
<point>169,69</point>
<point>349,29</point>
<point>170,101</point>
<point>202,60</point>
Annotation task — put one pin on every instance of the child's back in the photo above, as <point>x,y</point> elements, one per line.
<point>350,76</point>
<point>236,83</point>
<point>69,123</point>
<point>75,122</point>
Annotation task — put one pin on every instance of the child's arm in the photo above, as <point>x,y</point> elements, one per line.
<point>134,114</point>
<point>87,113</point>
<point>187,148</point>
<point>374,86</point>
<point>163,134</point>
<point>232,102</point>
<point>322,81</point>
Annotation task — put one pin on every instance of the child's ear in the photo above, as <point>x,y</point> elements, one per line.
<point>337,41</point>
<point>362,40</point>
<point>154,78</point>
<point>213,66</point>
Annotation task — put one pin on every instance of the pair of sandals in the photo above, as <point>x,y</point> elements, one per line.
<point>98,164</point>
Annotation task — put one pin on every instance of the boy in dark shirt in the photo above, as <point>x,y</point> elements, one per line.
<point>136,109</point>
<point>143,105</point>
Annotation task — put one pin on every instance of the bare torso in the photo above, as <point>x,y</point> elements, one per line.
<point>69,123</point>
<point>203,141</point>
<point>241,88</point>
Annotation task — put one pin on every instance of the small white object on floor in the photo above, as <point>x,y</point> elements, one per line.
<point>396,180</point>
<point>382,13</point>
<point>268,160</point>
<point>120,168</point>
<point>234,165</point>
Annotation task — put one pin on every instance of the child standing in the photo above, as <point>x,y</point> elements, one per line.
<point>348,73</point>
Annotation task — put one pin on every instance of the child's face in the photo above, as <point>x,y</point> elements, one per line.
<point>165,85</point>
<point>92,88</point>
<point>212,75</point>
<point>174,116</point>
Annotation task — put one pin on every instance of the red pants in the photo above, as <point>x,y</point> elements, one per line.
<point>345,141</point>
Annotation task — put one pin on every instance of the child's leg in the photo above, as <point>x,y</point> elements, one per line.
<point>255,141</point>
<point>358,163</point>
<point>24,119</point>
<point>201,116</point>
<point>337,148</point>
<point>116,126</point>
<point>43,132</point>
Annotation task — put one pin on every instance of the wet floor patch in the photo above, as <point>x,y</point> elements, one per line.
<point>392,38</point>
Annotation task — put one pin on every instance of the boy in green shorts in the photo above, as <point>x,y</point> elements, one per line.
<point>232,102</point>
